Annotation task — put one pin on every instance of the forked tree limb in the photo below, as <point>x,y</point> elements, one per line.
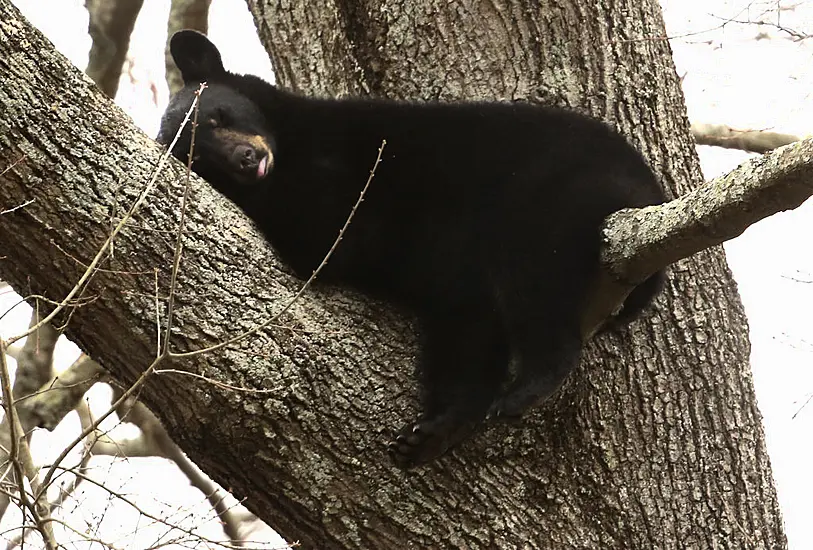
<point>637,242</point>
<point>63,394</point>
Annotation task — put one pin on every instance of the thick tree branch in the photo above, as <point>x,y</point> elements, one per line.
<point>640,241</point>
<point>637,241</point>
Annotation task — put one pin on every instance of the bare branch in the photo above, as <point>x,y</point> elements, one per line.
<point>15,208</point>
<point>793,34</point>
<point>90,270</point>
<point>34,368</point>
<point>754,141</point>
<point>192,112</point>
<point>22,463</point>
<point>65,492</point>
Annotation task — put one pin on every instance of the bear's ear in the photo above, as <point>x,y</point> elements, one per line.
<point>195,56</point>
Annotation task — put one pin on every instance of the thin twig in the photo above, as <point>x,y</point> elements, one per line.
<point>21,460</point>
<point>809,397</point>
<point>63,493</point>
<point>141,379</point>
<point>23,205</point>
<point>213,382</point>
<point>27,299</point>
<point>176,264</point>
<point>13,164</point>
<point>157,316</point>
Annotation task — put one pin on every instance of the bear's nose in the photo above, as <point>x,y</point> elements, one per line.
<point>244,156</point>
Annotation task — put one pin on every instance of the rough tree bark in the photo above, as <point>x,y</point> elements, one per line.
<point>655,441</point>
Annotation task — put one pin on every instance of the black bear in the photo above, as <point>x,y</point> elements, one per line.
<point>482,220</point>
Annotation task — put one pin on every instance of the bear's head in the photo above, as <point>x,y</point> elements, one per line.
<point>232,146</point>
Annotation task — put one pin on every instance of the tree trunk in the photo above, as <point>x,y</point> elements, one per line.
<point>183,14</point>
<point>110,25</point>
<point>655,441</point>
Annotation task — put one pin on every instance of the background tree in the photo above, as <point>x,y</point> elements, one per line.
<point>110,24</point>
<point>628,451</point>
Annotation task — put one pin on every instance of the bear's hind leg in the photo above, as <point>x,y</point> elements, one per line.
<point>463,365</point>
<point>545,356</point>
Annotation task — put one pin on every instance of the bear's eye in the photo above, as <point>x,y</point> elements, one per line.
<point>219,119</point>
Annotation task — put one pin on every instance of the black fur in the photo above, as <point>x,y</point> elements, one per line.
<point>482,219</point>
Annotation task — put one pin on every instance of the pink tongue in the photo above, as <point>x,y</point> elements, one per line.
<point>262,168</point>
